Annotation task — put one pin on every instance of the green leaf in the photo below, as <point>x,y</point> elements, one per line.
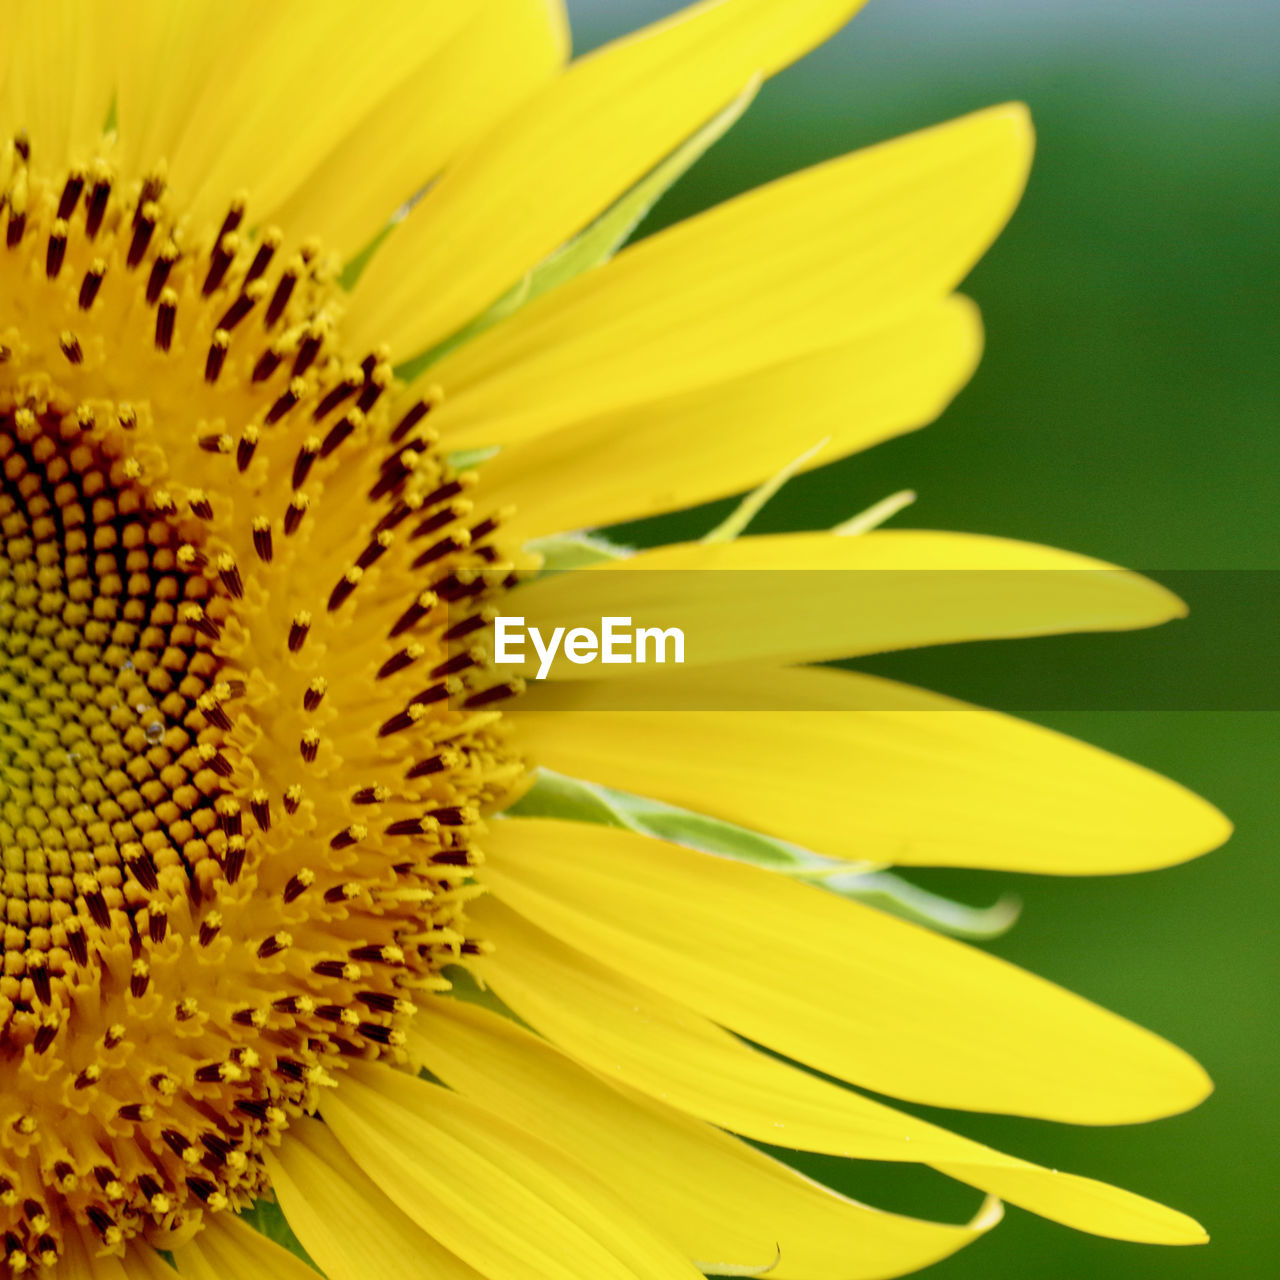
<point>597,243</point>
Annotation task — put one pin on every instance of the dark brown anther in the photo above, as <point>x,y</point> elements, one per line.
<point>76,942</point>
<point>379,1001</point>
<point>260,808</point>
<point>298,630</point>
<point>332,399</point>
<point>262,539</point>
<point>40,980</point>
<point>97,905</point>
<point>217,355</point>
<point>201,507</point>
<point>99,1216</point>
<point>159,277</point>
<point>267,363</point>
<point>272,945</point>
<point>330,968</point>
<point>413,614</point>
<point>341,593</point>
<point>397,723</point>
<point>302,464</point>
<point>370,393</point>
<point>409,421</point>
<point>294,512</point>
<point>397,662</point>
<point>145,873</point>
<point>72,190</point>
<point>218,762</point>
<point>373,553</point>
<point>261,261</point>
<point>157,923</point>
<point>219,261</point>
<point>451,666</point>
<point>343,840</point>
<point>166,318</point>
<point>495,693</point>
<point>313,696</point>
<point>406,827</point>
<point>308,349</point>
<point>309,746</point>
<point>437,520</point>
<point>337,434</point>
<point>70,347</point>
<point>437,551</point>
<point>234,217</point>
<point>233,863</point>
<point>284,402</point>
<point>90,285</point>
<point>236,312</point>
<point>13,233</point>
<point>97,208</point>
<point>292,799</point>
<point>280,298</point>
<point>372,954</point>
<point>229,574</point>
<point>143,228</point>
<point>56,251</point>
<point>450,489</point>
<point>245,448</point>
<point>451,815</point>
<point>425,768</point>
<point>396,516</point>
<point>201,1188</point>
<point>209,928</point>
<point>297,886</point>
<point>139,981</point>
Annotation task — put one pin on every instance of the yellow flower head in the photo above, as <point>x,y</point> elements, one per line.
<point>254,748</point>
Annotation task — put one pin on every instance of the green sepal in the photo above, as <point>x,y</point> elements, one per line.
<point>595,245</point>
<point>555,796</point>
<point>575,551</point>
<point>267,1218</point>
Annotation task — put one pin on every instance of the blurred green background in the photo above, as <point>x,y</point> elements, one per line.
<point>1126,407</point>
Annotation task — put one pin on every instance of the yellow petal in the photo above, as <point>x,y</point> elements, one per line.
<point>57,84</point>
<point>502,1201</point>
<point>341,1218</point>
<point>719,439</point>
<point>638,1039</point>
<point>833,597</point>
<point>227,1247</point>
<point>566,157</point>
<point>837,985</point>
<point>856,767</point>
<point>504,50</point>
<point>812,261</point>
<point>266,110</point>
<point>719,1199</point>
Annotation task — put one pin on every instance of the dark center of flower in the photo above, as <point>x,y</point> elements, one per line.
<point>245,732</point>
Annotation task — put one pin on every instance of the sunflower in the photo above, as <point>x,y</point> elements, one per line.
<point>276,282</point>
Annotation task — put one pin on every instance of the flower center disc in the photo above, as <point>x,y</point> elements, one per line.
<point>244,730</point>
